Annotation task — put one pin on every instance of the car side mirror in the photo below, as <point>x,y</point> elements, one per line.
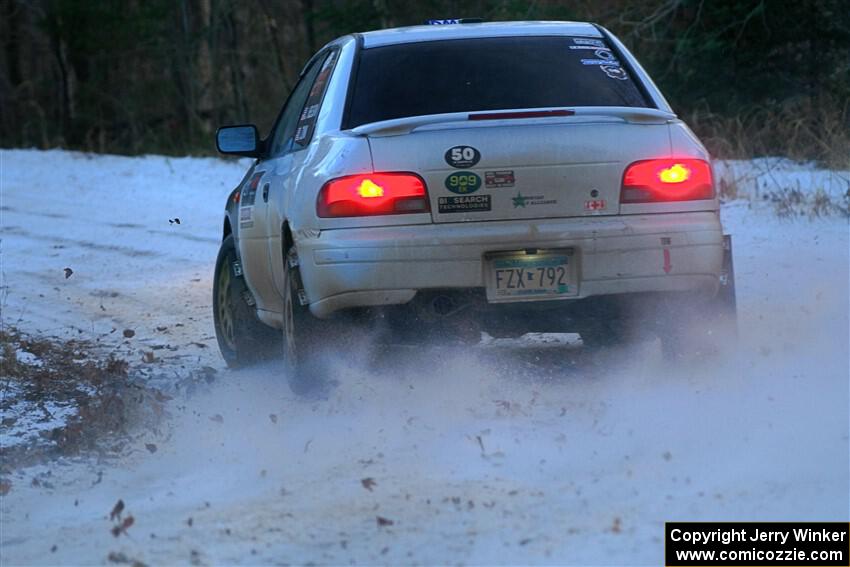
<point>240,140</point>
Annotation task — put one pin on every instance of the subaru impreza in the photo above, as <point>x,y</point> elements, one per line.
<point>522,176</point>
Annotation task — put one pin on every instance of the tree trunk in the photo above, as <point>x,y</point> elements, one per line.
<point>68,78</point>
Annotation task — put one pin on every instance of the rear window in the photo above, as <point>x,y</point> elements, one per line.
<point>502,73</point>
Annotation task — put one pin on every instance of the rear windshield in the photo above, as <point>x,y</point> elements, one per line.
<point>502,73</point>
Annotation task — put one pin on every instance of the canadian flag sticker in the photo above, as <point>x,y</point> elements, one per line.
<point>594,205</point>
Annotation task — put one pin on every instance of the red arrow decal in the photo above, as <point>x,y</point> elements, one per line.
<point>667,265</point>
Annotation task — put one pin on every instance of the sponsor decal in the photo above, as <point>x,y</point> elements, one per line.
<point>462,157</point>
<point>600,62</point>
<point>504,178</point>
<point>595,205</point>
<point>614,72</point>
<point>302,133</point>
<point>249,192</point>
<point>463,182</point>
<point>667,264</point>
<point>310,112</point>
<point>592,47</point>
<point>593,42</point>
<point>604,54</point>
<point>246,217</point>
<point>522,201</point>
<point>464,204</point>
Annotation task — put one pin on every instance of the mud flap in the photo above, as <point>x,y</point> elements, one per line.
<point>726,294</point>
<point>725,303</point>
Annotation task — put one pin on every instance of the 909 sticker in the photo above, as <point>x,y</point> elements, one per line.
<point>463,182</point>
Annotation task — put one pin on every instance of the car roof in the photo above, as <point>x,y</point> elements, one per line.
<point>414,34</point>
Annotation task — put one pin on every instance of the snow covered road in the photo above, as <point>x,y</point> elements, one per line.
<point>441,455</point>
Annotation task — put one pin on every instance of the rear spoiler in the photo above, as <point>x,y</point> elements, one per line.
<point>408,124</point>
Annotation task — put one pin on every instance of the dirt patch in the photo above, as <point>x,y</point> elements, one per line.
<point>61,398</point>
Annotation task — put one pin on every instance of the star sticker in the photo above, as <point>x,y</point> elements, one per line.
<point>519,200</point>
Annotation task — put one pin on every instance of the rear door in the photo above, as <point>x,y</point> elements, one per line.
<point>508,166</point>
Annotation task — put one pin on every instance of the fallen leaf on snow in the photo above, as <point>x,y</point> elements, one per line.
<point>118,557</point>
<point>129,333</point>
<point>383,521</point>
<point>368,483</point>
<point>273,417</point>
<point>160,397</point>
<point>116,510</point>
<point>68,272</point>
<point>150,447</point>
<point>616,527</point>
<point>122,527</point>
<point>217,418</point>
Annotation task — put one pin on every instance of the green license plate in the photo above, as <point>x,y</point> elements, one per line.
<point>519,276</point>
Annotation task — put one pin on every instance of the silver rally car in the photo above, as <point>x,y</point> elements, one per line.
<point>515,176</point>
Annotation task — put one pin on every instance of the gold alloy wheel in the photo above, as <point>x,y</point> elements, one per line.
<point>225,313</point>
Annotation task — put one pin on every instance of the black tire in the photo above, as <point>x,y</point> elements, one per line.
<point>302,332</point>
<point>242,338</point>
<point>603,333</point>
<point>603,324</point>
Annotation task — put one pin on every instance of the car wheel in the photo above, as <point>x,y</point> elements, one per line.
<point>242,339</point>
<point>301,334</point>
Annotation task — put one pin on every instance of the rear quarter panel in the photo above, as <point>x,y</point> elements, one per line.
<point>329,156</point>
<point>683,143</point>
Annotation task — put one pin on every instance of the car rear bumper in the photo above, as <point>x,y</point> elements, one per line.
<point>348,268</point>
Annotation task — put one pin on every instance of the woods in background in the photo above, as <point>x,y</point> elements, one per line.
<point>752,77</point>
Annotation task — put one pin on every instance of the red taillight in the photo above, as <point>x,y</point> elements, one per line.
<point>373,194</point>
<point>656,180</point>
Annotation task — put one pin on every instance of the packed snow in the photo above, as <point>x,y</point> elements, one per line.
<point>522,452</point>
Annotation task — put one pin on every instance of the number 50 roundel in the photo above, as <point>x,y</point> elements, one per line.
<point>462,156</point>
